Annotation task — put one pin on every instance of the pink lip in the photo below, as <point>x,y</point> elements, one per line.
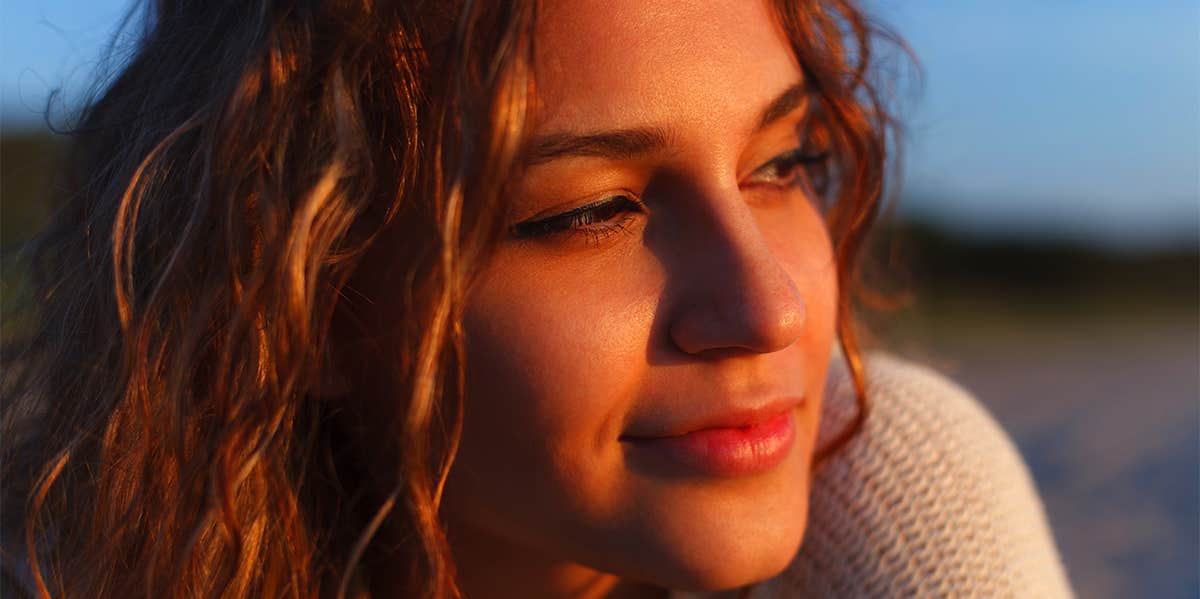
<point>727,451</point>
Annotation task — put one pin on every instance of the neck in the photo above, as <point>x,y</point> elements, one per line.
<point>492,568</point>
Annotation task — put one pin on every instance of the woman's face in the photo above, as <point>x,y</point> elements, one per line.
<point>647,347</point>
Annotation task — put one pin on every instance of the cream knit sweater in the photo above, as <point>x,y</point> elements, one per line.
<point>931,499</point>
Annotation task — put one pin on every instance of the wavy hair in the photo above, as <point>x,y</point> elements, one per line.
<point>172,424</point>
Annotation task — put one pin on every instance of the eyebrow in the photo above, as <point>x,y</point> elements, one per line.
<point>619,144</point>
<point>792,98</point>
<point>627,144</point>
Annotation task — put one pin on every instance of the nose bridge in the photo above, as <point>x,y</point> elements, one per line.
<point>737,294</point>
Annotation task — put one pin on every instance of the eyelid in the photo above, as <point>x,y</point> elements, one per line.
<point>547,225</point>
<point>792,159</point>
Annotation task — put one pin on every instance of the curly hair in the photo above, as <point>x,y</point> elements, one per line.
<point>165,429</point>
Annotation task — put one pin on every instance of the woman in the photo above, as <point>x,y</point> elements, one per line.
<point>495,299</point>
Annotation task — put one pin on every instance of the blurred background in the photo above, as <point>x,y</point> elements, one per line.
<point>1048,231</point>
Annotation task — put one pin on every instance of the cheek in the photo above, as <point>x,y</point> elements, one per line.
<point>547,334</point>
<point>554,358</point>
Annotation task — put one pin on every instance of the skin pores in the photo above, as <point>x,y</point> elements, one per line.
<point>706,296</point>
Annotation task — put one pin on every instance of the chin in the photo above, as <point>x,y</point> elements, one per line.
<point>724,551</point>
<point>744,563</point>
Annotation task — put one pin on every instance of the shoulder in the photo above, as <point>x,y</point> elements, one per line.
<point>931,499</point>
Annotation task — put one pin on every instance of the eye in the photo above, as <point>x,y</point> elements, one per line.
<point>783,170</point>
<point>597,220</point>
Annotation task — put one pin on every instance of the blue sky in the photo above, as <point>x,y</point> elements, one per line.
<point>1067,117</point>
<point>1037,118</point>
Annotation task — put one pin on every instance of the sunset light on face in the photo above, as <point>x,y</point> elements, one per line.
<point>647,351</point>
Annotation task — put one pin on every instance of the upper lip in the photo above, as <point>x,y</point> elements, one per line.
<point>735,417</point>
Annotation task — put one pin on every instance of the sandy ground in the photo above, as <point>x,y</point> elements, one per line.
<point>1108,416</point>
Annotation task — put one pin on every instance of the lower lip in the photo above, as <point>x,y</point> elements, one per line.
<point>728,452</point>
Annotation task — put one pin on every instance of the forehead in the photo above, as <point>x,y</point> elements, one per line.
<point>711,64</point>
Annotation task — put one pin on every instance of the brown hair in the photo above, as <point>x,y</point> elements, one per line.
<point>163,425</point>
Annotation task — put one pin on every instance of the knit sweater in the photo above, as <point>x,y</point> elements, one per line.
<point>931,499</point>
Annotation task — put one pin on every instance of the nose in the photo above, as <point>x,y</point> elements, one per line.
<point>735,295</point>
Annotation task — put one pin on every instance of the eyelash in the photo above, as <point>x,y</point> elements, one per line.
<point>790,165</point>
<point>609,216</point>
<point>595,220</point>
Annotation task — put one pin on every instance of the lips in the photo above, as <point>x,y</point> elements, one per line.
<point>732,444</point>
